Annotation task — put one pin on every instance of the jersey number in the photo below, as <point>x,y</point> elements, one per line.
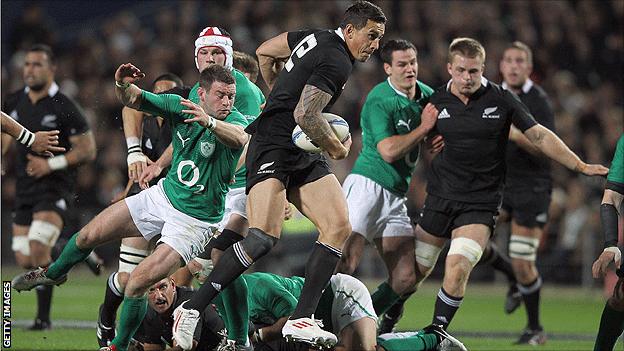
<point>301,50</point>
<point>194,179</point>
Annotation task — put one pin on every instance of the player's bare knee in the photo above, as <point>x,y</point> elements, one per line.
<point>348,263</point>
<point>404,281</point>
<point>524,270</point>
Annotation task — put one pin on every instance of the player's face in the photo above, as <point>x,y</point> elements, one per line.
<point>161,295</point>
<point>218,102</point>
<point>38,72</point>
<point>163,85</point>
<point>363,42</point>
<point>210,55</point>
<point>466,73</point>
<point>404,68</point>
<point>515,67</point>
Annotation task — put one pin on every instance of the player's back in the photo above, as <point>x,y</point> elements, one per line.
<point>319,58</point>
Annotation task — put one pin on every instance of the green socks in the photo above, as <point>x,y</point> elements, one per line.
<point>70,256</point>
<point>611,326</point>
<point>235,303</point>
<point>133,311</point>
<point>410,341</point>
<point>384,298</point>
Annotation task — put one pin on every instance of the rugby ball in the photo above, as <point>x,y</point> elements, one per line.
<point>337,124</point>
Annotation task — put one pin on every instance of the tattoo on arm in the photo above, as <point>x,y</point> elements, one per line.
<point>308,114</point>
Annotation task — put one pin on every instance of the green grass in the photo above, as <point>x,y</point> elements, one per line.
<point>565,311</point>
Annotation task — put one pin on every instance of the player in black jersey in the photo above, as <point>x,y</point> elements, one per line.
<point>155,330</point>
<point>44,187</point>
<point>155,137</point>
<point>465,179</point>
<point>528,185</point>
<point>307,71</point>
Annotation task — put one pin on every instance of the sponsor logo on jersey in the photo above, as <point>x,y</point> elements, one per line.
<point>61,204</point>
<point>49,121</point>
<point>444,114</point>
<point>206,148</point>
<point>182,139</point>
<point>14,115</point>
<point>263,168</point>
<point>403,123</point>
<point>488,113</point>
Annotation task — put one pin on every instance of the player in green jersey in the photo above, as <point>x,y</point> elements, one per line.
<point>612,320</point>
<point>345,309</point>
<point>395,121</point>
<point>185,207</point>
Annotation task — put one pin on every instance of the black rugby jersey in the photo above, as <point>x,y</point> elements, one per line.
<point>156,328</point>
<point>524,170</point>
<point>320,58</point>
<point>55,111</point>
<point>471,166</point>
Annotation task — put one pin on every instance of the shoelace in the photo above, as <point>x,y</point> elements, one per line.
<point>34,274</point>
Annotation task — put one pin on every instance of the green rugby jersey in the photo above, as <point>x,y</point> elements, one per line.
<point>616,172</point>
<point>271,296</point>
<point>202,167</point>
<point>249,105</point>
<point>388,112</point>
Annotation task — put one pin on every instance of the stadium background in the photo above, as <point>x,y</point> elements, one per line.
<point>578,51</point>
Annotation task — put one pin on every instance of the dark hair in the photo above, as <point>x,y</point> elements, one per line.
<point>170,77</point>
<point>523,47</point>
<point>46,49</point>
<point>224,32</point>
<point>466,47</point>
<point>215,73</point>
<point>246,64</point>
<point>394,45</point>
<point>360,12</point>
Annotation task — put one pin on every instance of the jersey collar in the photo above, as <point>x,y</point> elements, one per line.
<point>339,33</point>
<point>417,96</point>
<point>526,87</point>
<point>54,88</point>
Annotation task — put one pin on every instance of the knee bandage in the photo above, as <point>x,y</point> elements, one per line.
<point>254,246</point>
<point>129,258</point>
<point>115,285</point>
<point>467,248</point>
<point>427,254</point>
<point>20,244</point>
<point>523,248</point>
<point>43,232</point>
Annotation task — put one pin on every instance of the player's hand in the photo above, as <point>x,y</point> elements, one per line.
<point>46,143</point>
<point>429,117</point>
<point>592,169</point>
<point>37,167</point>
<point>128,73</point>
<point>288,211</point>
<point>122,194</point>
<point>149,173</point>
<point>137,162</point>
<point>434,144</point>
<point>343,152</point>
<point>599,268</point>
<point>201,116</point>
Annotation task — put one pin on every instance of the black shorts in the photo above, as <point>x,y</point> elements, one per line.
<point>25,206</point>
<point>292,167</point>
<point>440,216</point>
<point>528,207</point>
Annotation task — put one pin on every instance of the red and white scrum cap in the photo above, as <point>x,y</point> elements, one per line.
<point>212,36</point>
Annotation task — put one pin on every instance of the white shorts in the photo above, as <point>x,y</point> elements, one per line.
<point>352,301</point>
<point>235,202</point>
<point>375,212</point>
<point>153,214</point>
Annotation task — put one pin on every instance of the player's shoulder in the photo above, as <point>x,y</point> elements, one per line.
<point>425,89</point>
<point>12,99</point>
<point>539,92</point>
<point>236,117</point>
<point>182,91</point>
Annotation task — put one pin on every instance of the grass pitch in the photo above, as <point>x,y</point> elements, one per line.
<point>570,316</point>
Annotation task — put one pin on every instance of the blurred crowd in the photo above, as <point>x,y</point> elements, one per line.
<point>578,49</point>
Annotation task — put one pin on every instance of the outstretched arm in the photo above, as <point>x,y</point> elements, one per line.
<point>550,144</point>
<point>128,93</point>
<point>44,143</point>
<point>271,57</point>
<point>308,115</point>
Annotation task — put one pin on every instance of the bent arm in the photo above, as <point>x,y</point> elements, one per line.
<point>397,146</point>
<point>83,149</point>
<point>130,96</point>
<point>271,57</point>
<point>132,123</point>
<point>232,135</point>
<point>611,203</point>
<point>273,332</point>
<point>523,142</point>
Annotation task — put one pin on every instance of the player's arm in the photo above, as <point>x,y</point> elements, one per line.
<point>609,217</point>
<point>231,135</point>
<point>128,93</point>
<point>44,142</point>
<point>132,126</point>
<point>550,144</point>
<point>308,115</point>
<point>523,142</point>
<point>271,57</point>
<point>395,147</point>
<point>271,332</point>
<point>153,170</point>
